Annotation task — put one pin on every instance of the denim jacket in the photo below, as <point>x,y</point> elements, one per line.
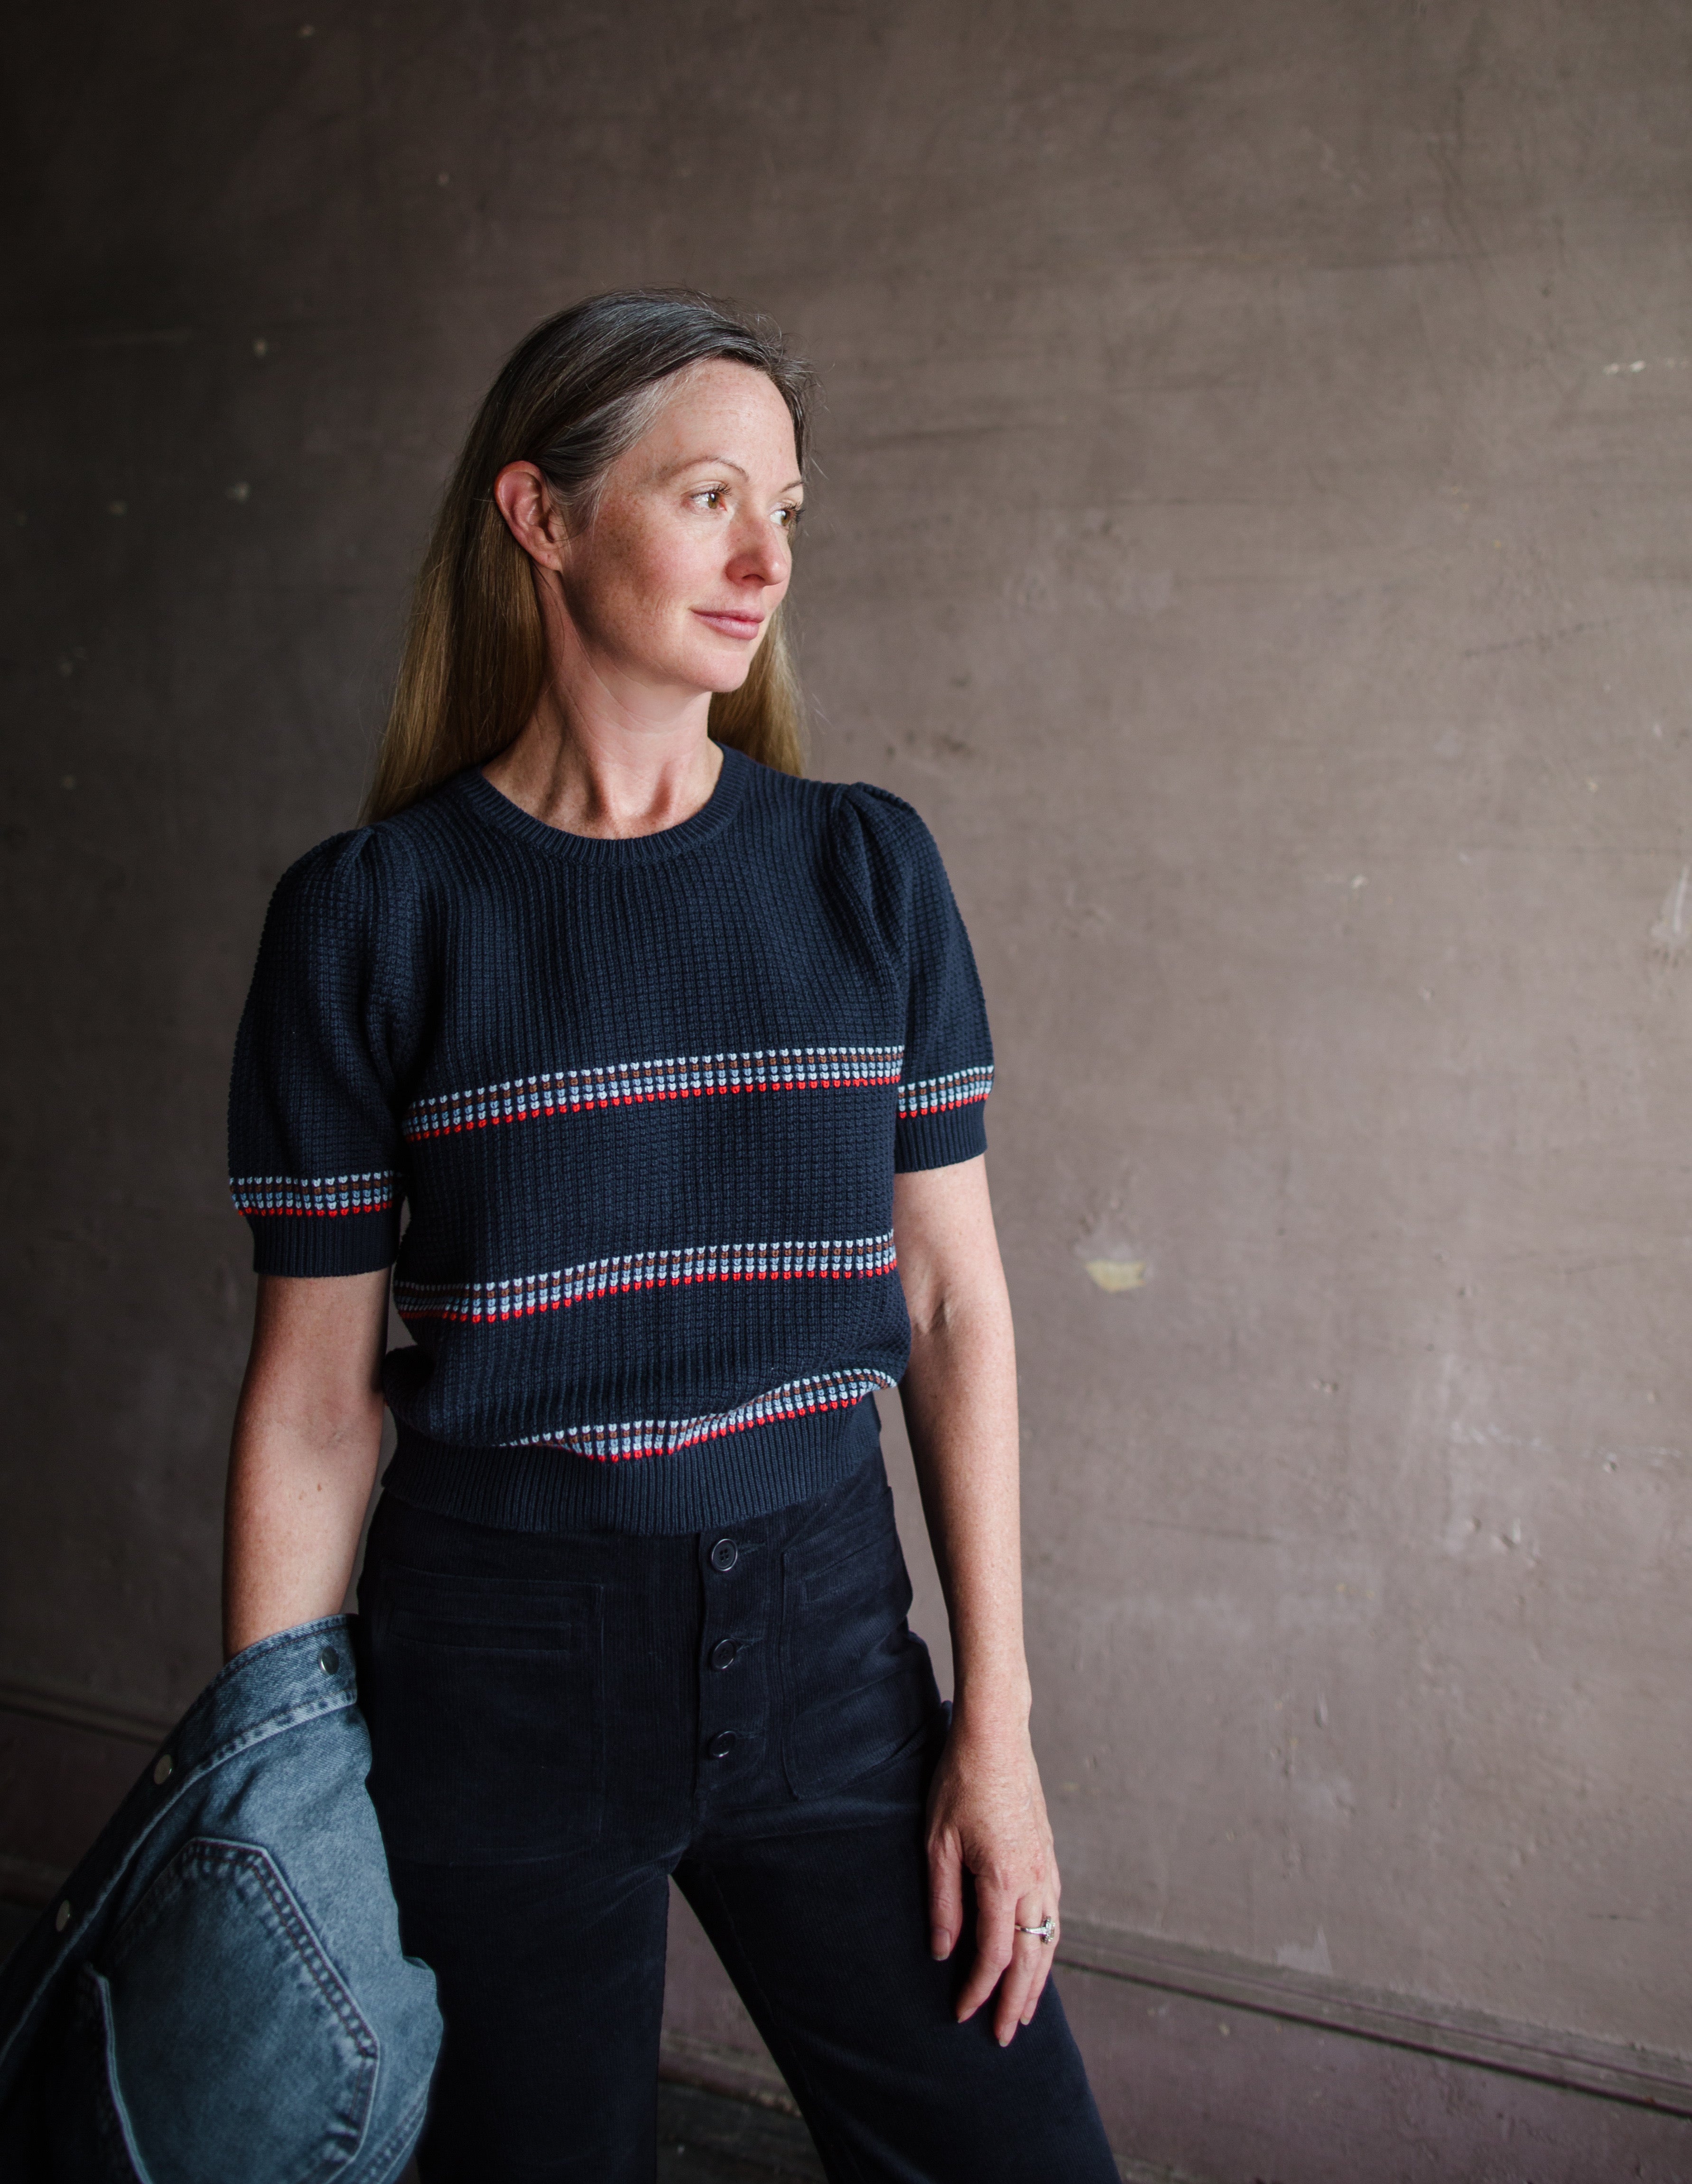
<point>220,1996</point>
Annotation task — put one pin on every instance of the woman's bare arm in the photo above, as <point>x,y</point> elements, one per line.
<point>308,1432</point>
<point>986,1814</point>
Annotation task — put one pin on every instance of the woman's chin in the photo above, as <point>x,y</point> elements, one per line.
<point>720,678</point>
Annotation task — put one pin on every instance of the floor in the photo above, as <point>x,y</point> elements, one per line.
<point>705,2138</point>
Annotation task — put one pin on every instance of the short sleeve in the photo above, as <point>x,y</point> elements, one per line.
<point>316,1153</point>
<point>946,1071</point>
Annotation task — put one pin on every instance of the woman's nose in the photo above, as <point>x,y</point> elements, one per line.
<point>760,556</point>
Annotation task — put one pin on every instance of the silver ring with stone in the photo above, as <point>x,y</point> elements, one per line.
<point>1045,1931</point>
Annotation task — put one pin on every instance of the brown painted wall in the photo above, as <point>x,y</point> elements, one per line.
<point>1252,530</point>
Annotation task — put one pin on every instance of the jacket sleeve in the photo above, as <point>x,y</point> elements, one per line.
<point>947,1070</point>
<point>316,1158</point>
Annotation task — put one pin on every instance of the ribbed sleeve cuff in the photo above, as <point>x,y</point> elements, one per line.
<point>939,1140</point>
<point>312,1245</point>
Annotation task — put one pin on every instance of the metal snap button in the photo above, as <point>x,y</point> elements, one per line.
<point>61,1918</point>
<point>724,1555</point>
<point>725,1653</point>
<point>162,1767</point>
<point>328,1660</point>
<point>722,1744</point>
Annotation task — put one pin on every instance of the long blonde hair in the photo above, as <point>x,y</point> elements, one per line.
<point>572,397</point>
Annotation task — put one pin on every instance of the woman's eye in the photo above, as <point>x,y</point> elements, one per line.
<point>713,496</point>
<point>787,518</point>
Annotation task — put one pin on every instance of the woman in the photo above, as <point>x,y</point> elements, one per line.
<point>678,1061</point>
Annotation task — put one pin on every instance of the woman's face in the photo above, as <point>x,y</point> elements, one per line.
<point>689,552</point>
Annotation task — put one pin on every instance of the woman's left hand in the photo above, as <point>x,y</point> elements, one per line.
<point>987,1814</point>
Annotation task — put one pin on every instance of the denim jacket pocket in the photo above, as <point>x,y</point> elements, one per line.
<point>858,1685</point>
<point>216,1976</point>
<point>485,1708</point>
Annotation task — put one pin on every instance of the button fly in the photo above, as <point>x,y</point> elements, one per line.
<point>724,1555</point>
<point>724,1652</point>
<point>722,1744</point>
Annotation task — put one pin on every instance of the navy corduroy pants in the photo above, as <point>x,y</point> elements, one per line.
<point>561,1723</point>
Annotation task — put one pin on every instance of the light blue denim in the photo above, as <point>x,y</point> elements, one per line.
<point>220,1996</point>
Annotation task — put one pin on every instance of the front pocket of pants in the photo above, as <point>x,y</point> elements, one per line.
<point>485,1706</point>
<point>858,1685</point>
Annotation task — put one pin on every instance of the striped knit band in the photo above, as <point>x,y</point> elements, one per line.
<point>935,1095</point>
<point>523,1295</point>
<point>373,1192</point>
<point>627,1083</point>
<point>639,1437</point>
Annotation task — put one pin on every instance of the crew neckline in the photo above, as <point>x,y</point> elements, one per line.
<point>496,809</point>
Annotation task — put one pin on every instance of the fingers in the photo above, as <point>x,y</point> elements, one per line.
<point>1030,1964</point>
<point>1014,1989</point>
<point>945,1894</point>
<point>1043,1957</point>
<point>995,1939</point>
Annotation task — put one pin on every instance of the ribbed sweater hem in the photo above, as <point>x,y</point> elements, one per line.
<point>551,1490</point>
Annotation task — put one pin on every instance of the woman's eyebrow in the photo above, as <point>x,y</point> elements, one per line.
<point>724,463</point>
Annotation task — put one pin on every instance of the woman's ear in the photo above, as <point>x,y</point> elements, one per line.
<point>532,516</point>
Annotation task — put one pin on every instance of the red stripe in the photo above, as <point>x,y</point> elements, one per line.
<point>310,1212</point>
<point>494,1313</point>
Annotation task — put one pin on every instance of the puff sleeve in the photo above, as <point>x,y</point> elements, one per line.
<point>947,1070</point>
<point>316,1157</point>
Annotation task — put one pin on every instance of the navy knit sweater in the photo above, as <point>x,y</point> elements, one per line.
<point>644,1101</point>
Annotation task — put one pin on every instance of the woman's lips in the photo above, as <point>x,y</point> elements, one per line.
<point>731,625</point>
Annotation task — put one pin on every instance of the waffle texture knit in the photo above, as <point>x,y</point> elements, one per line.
<point>644,1101</point>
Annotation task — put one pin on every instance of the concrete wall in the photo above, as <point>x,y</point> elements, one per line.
<point>1252,530</point>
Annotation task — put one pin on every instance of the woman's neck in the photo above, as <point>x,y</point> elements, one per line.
<point>609,776</point>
